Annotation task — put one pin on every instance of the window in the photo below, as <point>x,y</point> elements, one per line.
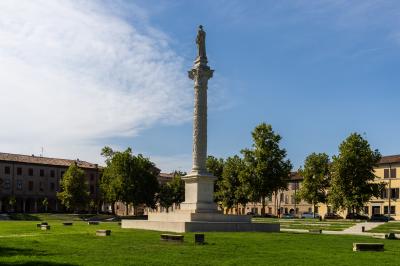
<point>286,210</point>
<point>30,185</point>
<point>286,199</point>
<point>394,193</point>
<point>292,199</point>
<point>52,173</point>
<point>393,173</point>
<point>91,189</point>
<point>389,173</point>
<point>269,210</point>
<point>52,186</point>
<point>40,186</point>
<point>41,172</point>
<point>19,184</point>
<point>384,194</point>
<point>30,171</point>
<point>281,197</point>
<point>7,183</point>
<point>19,171</point>
<point>386,173</point>
<point>392,209</point>
<point>7,170</point>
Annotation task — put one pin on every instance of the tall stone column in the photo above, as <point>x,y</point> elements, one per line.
<point>199,185</point>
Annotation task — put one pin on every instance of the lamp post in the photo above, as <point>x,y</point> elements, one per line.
<point>390,190</point>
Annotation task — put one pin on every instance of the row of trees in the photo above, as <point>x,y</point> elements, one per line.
<point>347,181</point>
<point>261,171</point>
<point>128,178</point>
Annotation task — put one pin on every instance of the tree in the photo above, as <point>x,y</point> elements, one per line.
<point>128,178</point>
<point>45,204</point>
<point>353,174</point>
<point>315,179</point>
<point>74,193</point>
<point>215,166</point>
<point>267,169</point>
<point>172,191</point>
<point>178,187</point>
<point>231,186</point>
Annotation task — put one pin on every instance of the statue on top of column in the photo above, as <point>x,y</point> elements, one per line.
<point>201,43</point>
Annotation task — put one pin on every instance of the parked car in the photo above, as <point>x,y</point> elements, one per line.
<point>380,218</point>
<point>310,215</point>
<point>268,215</point>
<point>288,216</point>
<point>253,214</point>
<point>333,216</point>
<point>356,216</point>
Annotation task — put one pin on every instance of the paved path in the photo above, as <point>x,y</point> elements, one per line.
<point>354,230</point>
<point>357,228</point>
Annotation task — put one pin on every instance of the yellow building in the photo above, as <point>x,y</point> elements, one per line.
<point>284,202</point>
<point>386,172</point>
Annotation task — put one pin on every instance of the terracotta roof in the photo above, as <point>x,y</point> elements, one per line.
<point>390,159</point>
<point>295,176</point>
<point>9,157</point>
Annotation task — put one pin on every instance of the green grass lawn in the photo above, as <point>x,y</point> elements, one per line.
<point>331,225</point>
<point>21,243</point>
<point>391,227</point>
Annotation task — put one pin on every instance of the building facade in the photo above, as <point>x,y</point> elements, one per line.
<point>26,182</point>
<point>388,203</point>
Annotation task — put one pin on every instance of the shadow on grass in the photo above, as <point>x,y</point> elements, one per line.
<point>23,217</point>
<point>36,263</point>
<point>9,252</point>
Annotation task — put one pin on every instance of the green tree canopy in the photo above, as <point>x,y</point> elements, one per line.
<point>352,174</point>
<point>215,166</point>
<point>231,192</point>
<point>128,178</point>
<point>74,193</point>
<point>172,191</point>
<point>268,169</point>
<point>316,177</point>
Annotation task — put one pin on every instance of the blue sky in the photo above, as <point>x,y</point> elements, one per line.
<point>315,70</point>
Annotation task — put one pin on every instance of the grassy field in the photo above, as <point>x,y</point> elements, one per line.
<point>331,225</point>
<point>391,227</point>
<point>21,243</point>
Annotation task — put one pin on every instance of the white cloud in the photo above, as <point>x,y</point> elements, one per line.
<point>75,72</point>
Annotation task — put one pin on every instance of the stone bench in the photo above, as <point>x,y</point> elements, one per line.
<point>315,231</point>
<point>67,223</point>
<point>171,238</point>
<point>40,224</point>
<point>45,227</point>
<point>199,239</point>
<point>368,246</point>
<point>93,223</point>
<point>103,232</point>
<point>390,236</point>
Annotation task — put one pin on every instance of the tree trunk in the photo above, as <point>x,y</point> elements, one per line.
<point>263,206</point>
<point>113,208</point>
<point>313,209</point>
<point>126,208</point>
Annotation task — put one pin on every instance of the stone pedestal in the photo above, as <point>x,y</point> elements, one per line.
<point>199,194</point>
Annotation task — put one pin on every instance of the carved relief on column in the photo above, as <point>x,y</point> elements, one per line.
<point>200,76</point>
